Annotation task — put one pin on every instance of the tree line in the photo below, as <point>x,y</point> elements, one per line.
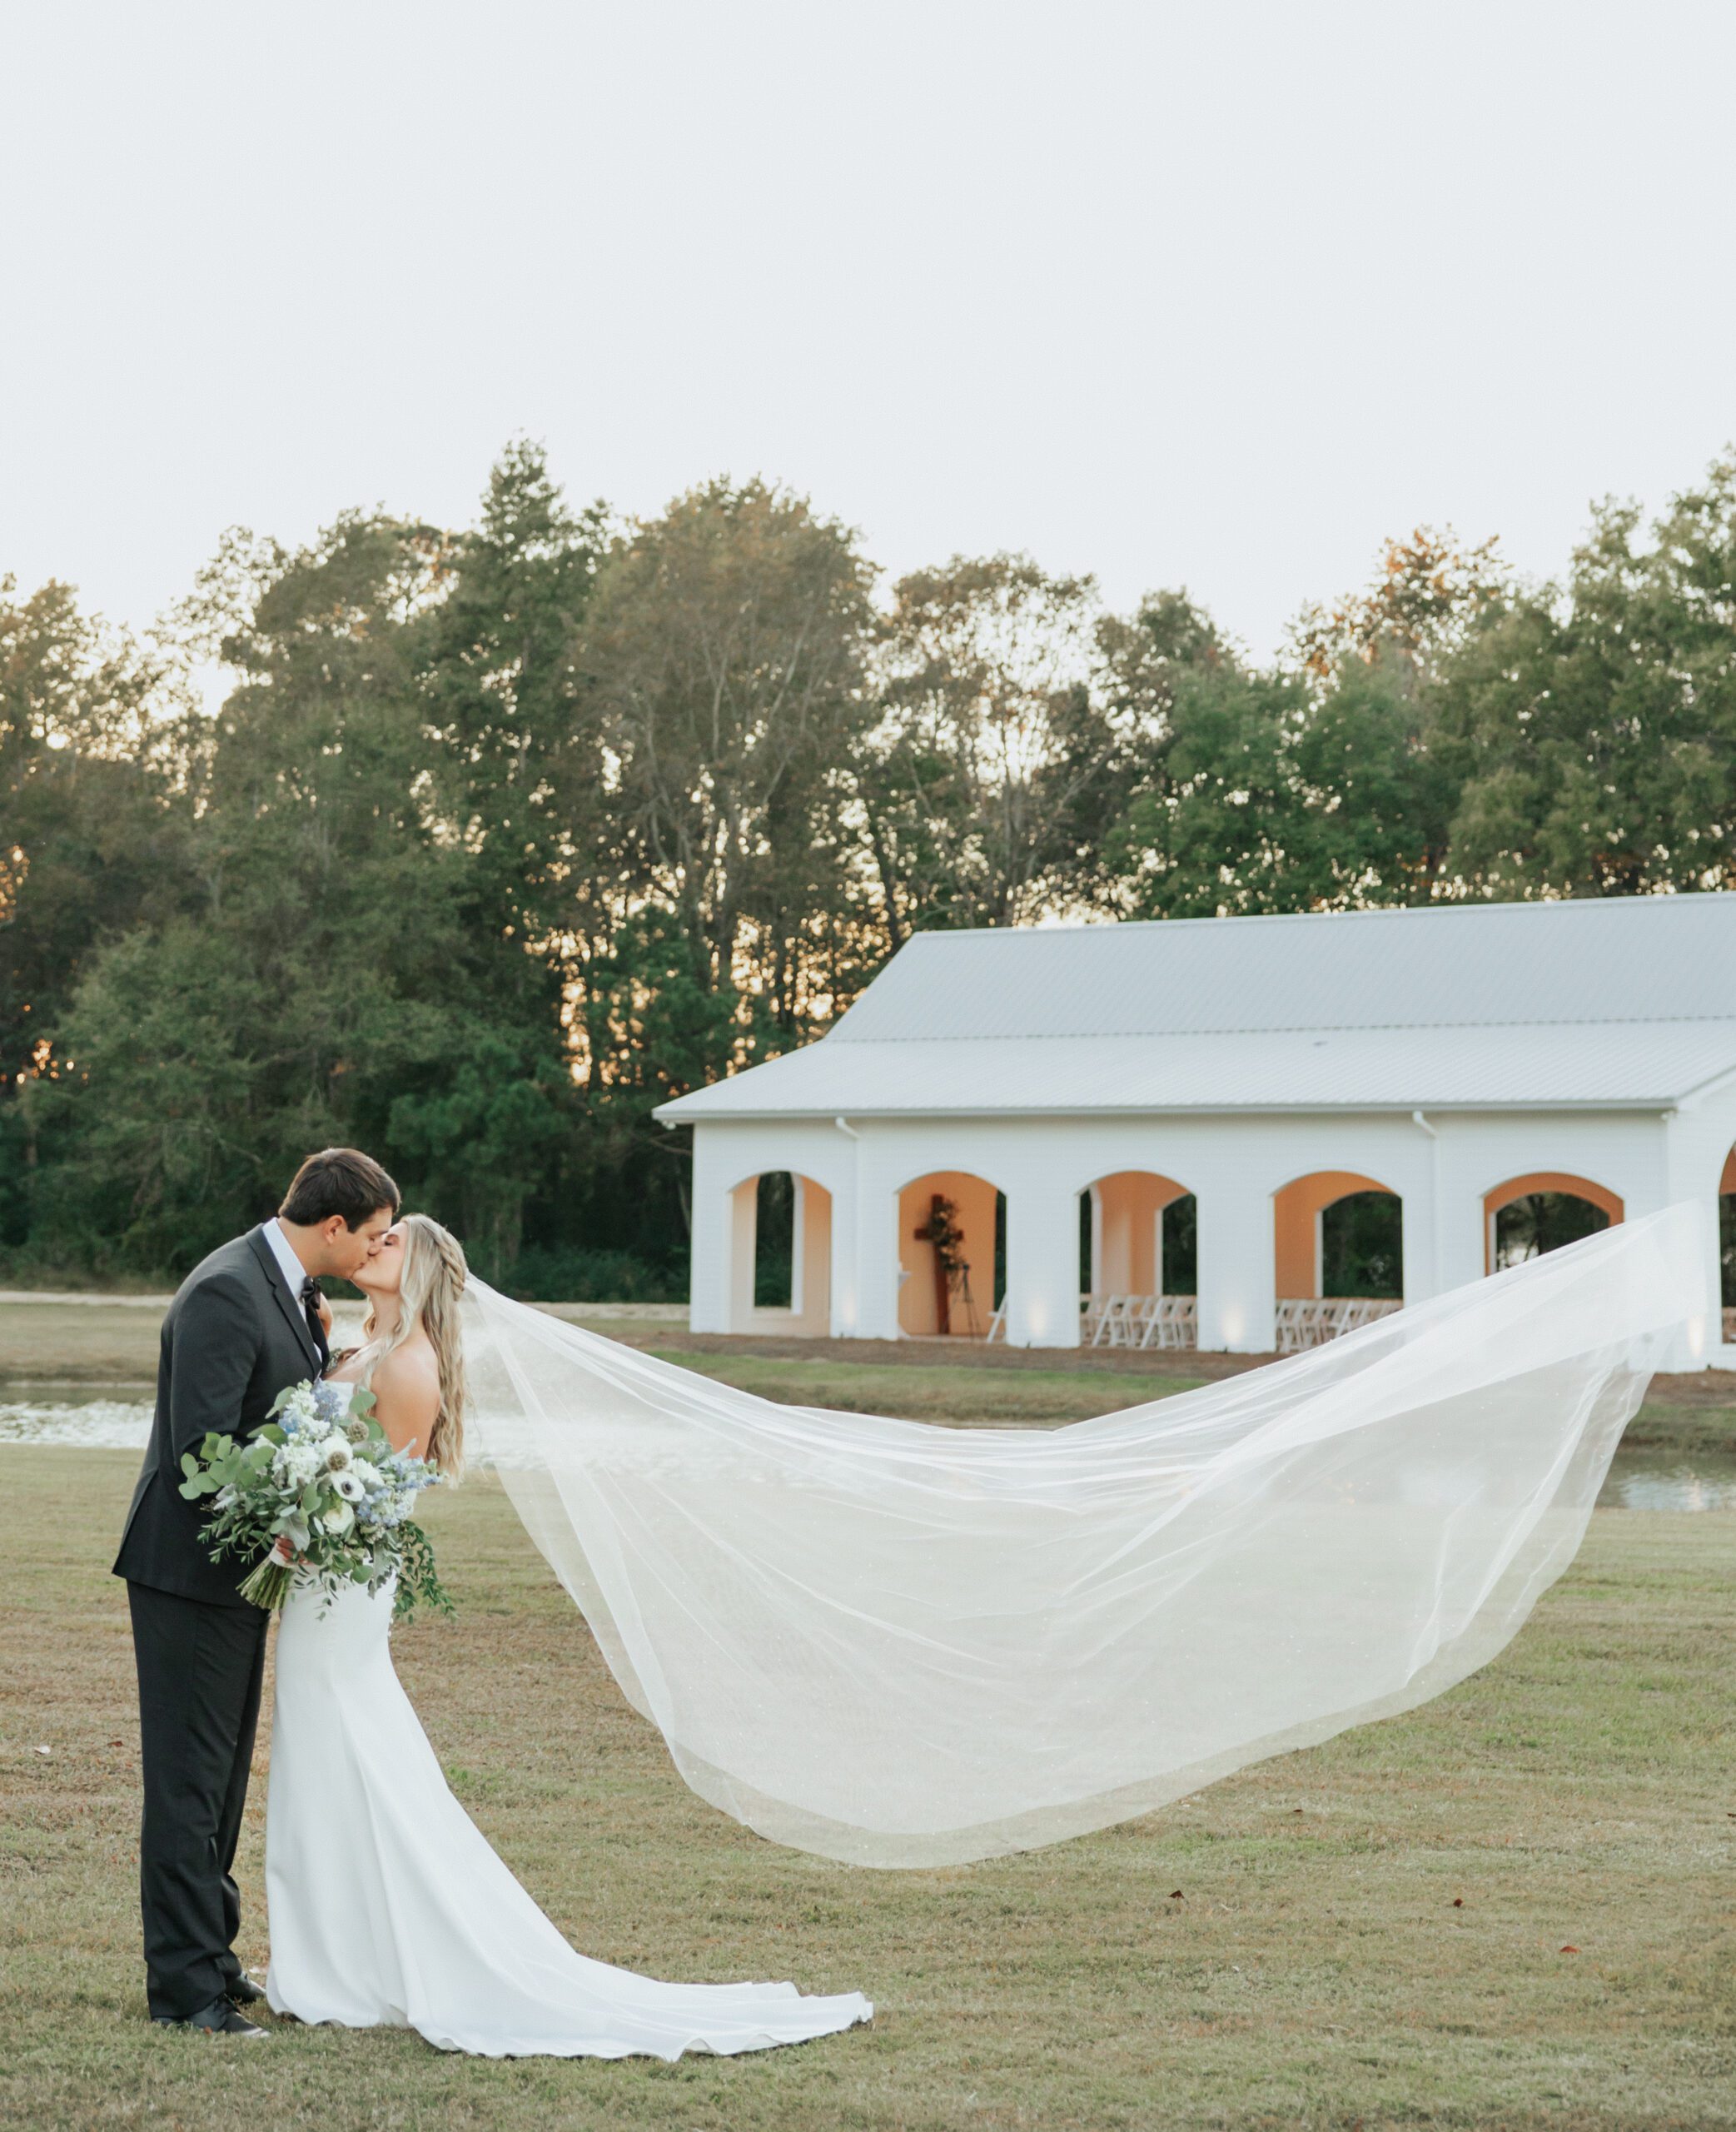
<point>502,836</point>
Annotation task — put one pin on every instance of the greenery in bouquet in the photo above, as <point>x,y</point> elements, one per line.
<point>322,1495</point>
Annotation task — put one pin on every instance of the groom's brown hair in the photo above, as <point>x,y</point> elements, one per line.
<point>338,1181</point>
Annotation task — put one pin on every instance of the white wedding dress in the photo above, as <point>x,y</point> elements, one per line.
<point>388,1909</point>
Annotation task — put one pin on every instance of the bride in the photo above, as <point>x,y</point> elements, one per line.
<point>387,1905</point>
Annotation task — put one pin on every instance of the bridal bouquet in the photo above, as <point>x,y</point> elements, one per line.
<point>320,1486</point>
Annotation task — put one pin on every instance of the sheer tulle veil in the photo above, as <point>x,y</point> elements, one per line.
<point>903,1645</point>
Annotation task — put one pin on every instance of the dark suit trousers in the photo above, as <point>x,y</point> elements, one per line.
<point>199,1668</point>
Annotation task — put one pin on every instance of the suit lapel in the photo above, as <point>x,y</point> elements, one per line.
<point>281,1296</point>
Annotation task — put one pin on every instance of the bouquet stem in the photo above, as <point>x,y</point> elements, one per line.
<point>268,1586</point>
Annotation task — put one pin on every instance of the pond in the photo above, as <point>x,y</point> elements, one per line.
<point>118,1417</point>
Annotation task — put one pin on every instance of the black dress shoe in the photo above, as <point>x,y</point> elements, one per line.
<point>241,1990</point>
<point>219,2018</point>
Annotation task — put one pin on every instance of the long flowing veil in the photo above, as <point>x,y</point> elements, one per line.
<point>900,1644</point>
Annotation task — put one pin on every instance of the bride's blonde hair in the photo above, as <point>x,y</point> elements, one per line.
<point>429,1289</point>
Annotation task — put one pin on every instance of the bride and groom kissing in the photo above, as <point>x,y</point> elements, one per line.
<point>387,1907</point>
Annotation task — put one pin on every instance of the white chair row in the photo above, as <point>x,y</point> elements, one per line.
<point>1311,1321</point>
<point>1132,1321</point>
<point>1124,1321</point>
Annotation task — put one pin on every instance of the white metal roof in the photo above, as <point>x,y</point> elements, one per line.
<point>1627,1002</point>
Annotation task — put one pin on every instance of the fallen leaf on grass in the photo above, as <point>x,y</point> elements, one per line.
<point>1458,1902</point>
<point>1569,1950</point>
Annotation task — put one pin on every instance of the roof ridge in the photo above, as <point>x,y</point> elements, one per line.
<point>1107,925</point>
<point>1277,1029</point>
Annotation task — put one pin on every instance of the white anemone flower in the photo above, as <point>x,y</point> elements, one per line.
<point>349,1486</point>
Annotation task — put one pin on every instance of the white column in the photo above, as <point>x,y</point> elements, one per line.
<point>1238,1270</point>
<point>1460,1226</point>
<point>1042,1266</point>
<point>843,1280</point>
<point>874,1229</point>
<point>707,1309</point>
<point>743,1204</point>
<point>1420,1221</point>
<point>1421,1216</point>
<point>1696,1139</point>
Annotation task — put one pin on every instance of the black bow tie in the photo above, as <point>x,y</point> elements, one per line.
<point>316,1331</point>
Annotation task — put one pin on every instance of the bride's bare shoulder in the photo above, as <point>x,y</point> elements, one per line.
<point>406,1391</point>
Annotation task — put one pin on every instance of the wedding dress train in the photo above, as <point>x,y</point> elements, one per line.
<point>388,1909</point>
<point>900,1644</point>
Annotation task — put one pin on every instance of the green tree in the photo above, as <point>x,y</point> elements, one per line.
<point>1428,596</point>
<point>659,1026</point>
<point>93,831</point>
<point>983,783</point>
<point>715,916</point>
<point>1276,790</point>
<point>338,980</point>
<point>723,657</point>
<point>1592,727</point>
<point>518,761</point>
<point>1378,794</point>
<point>1216,822</point>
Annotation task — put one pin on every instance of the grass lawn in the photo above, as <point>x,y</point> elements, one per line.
<point>936,1391</point>
<point>1366,1933</point>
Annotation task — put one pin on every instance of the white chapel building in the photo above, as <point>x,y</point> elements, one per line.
<point>1459,1057</point>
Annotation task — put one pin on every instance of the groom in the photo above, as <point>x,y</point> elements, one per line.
<point>245,1323</point>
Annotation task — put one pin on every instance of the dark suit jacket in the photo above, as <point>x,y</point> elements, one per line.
<point>233,1339</point>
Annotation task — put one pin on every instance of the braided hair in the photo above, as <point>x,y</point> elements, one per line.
<point>429,1290</point>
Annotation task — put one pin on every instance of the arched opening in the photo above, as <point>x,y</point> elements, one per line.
<point>781,1256</point>
<point>1362,1245</point>
<point>1181,1247</point>
<point>951,1257</point>
<point>1727,1246</point>
<point>1338,1255</point>
<point>1539,1212</point>
<point>774,1240</point>
<point>1138,1260</point>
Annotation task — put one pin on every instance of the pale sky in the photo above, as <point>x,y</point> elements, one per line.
<point>1211,294</point>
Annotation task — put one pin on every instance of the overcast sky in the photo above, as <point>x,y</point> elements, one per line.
<point>1210,294</point>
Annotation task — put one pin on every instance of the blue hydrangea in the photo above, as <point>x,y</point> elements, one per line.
<point>333,1400</point>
